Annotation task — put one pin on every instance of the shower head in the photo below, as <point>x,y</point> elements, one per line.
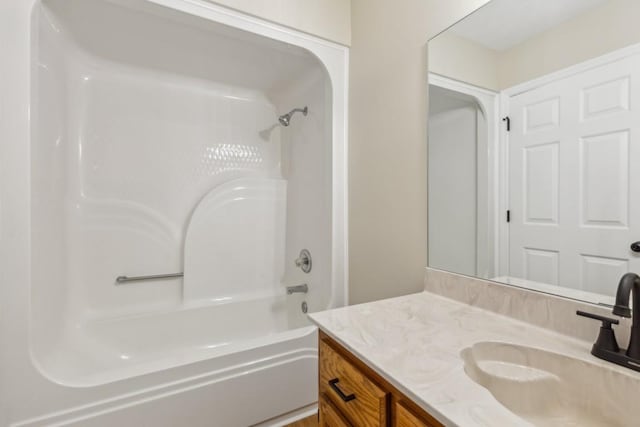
<point>285,119</point>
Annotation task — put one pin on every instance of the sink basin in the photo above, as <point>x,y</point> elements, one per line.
<point>549,389</point>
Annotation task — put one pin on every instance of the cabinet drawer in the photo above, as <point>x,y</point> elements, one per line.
<point>361,401</point>
<point>406,418</point>
<point>329,415</point>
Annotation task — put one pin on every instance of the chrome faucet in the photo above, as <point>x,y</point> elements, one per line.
<point>298,289</point>
<point>606,346</point>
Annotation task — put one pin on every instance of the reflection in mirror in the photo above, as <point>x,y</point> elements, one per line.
<point>534,124</point>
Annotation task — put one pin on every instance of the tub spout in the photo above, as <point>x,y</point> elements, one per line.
<point>299,289</point>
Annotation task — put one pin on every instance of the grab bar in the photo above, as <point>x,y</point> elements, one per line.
<point>120,280</point>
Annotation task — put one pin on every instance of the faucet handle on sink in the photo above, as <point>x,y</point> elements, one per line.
<point>607,337</point>
<point>603,319</point>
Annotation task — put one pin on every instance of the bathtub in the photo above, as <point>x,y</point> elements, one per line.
<point>232,364</point>
<point>238,334</point>
<point>135,145</point>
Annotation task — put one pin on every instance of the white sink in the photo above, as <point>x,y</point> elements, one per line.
<point>549,389</point>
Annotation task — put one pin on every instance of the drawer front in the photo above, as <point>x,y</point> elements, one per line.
<point>405,418</point>
<point>361,401</point>
<point>329,415</point>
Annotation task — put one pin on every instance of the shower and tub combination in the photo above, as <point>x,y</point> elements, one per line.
<point>172,203</point>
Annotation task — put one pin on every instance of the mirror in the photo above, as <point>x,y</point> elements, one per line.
<point>534,132</point>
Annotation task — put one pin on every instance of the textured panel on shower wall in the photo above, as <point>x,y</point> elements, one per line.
<point>235,241</point>
<point>181,137</point>
<point>151,149</point>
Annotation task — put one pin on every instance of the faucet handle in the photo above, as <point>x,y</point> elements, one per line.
<point>304,261</point>
<point>607,337</point>
<point>606,321</point>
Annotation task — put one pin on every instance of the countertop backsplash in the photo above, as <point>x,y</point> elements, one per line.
<point>544,310</point>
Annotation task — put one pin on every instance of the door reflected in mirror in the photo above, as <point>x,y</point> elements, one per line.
<point>534,130</point>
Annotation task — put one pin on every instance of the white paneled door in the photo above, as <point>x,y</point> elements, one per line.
<point>574,170</point>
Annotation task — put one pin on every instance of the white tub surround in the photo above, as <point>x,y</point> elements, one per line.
<point>141,137</point>
<point>415,342</point>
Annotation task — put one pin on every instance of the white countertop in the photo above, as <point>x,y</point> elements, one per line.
<point>415,341</point>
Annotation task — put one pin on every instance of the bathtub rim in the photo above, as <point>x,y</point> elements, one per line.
<point>202,377</point>
<point>241,346</point>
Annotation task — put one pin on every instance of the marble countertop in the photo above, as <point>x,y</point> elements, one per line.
<point>415,342</point>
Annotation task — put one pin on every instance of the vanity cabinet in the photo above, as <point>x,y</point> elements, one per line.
<point>352,394</point>
<point>329,416</point>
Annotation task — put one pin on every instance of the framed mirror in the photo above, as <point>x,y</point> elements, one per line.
<point>534,136</point>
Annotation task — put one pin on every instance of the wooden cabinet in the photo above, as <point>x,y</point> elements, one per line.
<point>329,415</point>
<point>352,394</point>
<point>406,418</point>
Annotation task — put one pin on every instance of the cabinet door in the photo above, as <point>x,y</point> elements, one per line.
<point>329,415</point>
<point>405,418</point>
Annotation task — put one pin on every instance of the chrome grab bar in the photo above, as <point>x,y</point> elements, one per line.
<point>120,280</point>
<point>302,289</point>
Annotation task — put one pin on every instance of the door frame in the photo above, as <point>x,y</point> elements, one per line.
<point>489,103</point>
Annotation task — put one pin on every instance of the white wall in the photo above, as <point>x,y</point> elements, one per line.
<point>452,189</point>
<point>329,19</point>
<point>388,150</point>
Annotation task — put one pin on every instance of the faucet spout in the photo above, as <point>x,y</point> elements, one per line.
<point>625,288</point>
<point>629,287</point>
<point>302,289</point>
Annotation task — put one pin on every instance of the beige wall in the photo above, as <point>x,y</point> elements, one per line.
<point>388,110</point>
<point>461,59</point>
<point>608,27</point>
<point>603,29</point>
<point>329,19</point>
